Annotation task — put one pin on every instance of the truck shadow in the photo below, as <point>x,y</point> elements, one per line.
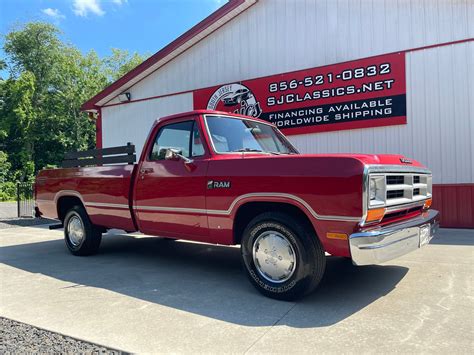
<point>454,237</point>
<point>204,279</point>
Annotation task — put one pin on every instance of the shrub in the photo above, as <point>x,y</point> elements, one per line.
<point>7,191</point>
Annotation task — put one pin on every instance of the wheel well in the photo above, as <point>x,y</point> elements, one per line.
<point>65,203</point>
<point>250,210</point>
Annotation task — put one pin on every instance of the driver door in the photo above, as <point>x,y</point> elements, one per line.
<point>170,193</point>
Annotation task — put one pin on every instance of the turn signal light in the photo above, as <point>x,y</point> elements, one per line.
<point>375,215</point>
<point>427,204</point>
<point>340,236</point>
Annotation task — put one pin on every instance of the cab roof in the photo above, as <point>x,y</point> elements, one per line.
<point>208,112</point>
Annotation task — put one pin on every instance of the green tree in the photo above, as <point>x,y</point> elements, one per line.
<point>3,66</point>
<point>40,117</point>
<point>18,116</point>
<point>4,167</point>
<point>34,48</point>
<point>119,63</point>
<point>7,188</point>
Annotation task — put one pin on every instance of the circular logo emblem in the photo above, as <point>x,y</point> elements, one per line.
<point>235,98</point>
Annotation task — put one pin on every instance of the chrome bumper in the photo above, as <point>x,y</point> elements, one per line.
<point>383,244</point>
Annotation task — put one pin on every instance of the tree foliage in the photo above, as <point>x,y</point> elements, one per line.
<point>48,80</point>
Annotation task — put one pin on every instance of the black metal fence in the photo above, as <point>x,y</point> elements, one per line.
<point>25,199</point>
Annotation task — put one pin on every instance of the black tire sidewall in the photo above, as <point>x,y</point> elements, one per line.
<point>298,283</point>
<point>69,215</point>
<point>92,238</point>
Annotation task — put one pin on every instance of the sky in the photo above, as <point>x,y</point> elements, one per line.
<point>142,26</point>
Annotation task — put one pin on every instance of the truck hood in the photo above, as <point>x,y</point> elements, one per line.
<point>365,159</point>
<point>372,159</point>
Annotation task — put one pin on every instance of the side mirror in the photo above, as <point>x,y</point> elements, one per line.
<point>176,154</point>
<point>172,153</point>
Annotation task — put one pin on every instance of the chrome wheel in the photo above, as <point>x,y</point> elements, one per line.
<point>75,231</point>
<point>274,256</point>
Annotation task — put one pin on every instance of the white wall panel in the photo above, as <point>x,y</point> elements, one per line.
<point>440,114</point>
<point>132,122</point>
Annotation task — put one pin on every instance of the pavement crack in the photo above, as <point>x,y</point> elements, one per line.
<point>270,328</point>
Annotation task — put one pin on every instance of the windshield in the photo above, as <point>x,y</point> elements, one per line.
<point>229,134</point>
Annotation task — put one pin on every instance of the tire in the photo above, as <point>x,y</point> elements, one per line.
<point>81,236</point>
<point>294,266</point>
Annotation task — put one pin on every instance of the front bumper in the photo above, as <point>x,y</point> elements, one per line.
<point>387,243</point>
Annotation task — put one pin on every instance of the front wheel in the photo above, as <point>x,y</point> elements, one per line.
<point>282,256</point>
<point>81,236</point>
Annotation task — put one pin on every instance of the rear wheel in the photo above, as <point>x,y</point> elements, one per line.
<point>81,236</point>
<point>282,256</point>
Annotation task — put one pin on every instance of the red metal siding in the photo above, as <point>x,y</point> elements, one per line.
<point>456,204</point>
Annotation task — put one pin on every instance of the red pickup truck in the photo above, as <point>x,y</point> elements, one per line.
<point>222,178</point>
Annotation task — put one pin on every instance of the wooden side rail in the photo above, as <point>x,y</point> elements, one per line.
<point>115,155</point>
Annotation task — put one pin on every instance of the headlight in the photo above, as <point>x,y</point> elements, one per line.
<point>376,191</point>
<point>372,189</point>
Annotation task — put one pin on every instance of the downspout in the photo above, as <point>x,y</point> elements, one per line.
<point>98,129</point>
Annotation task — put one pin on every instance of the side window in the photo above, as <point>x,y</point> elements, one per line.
<point>183,136</point>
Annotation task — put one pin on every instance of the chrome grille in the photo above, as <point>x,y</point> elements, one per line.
<point>394,194</point>
<point>395,179</point>
<point>399,188</point>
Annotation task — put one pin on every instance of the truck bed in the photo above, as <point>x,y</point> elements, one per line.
<point>104,191</point>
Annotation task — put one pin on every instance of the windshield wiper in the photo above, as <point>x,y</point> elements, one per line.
<point>282,153</point>
<point>248,150</point>
<point>243,150</point>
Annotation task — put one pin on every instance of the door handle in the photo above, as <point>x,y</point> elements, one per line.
<point>146,170</point>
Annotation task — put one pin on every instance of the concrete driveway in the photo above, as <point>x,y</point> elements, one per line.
<point>144,294</point>
<point>8,210</point>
